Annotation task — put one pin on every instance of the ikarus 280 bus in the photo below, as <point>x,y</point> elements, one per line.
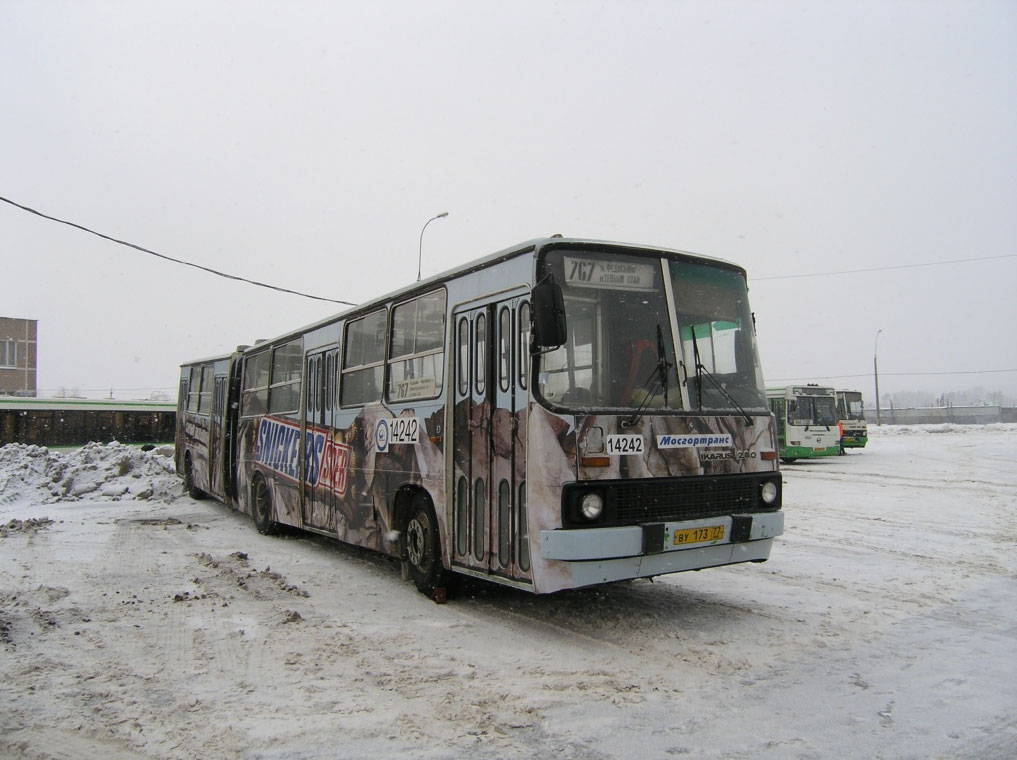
<point>559,414</point>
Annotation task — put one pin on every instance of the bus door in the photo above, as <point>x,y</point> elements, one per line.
<point>489,437</point>
<point>319,413</point>
<point>779,408</point>
<point>217,437</point>
<point>232,412</point>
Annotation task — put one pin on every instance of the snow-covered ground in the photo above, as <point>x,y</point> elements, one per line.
<point>137,623</point>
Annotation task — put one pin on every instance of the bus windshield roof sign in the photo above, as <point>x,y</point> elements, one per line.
<point>613,275</point>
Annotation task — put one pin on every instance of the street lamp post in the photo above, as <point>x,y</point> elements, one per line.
<point>420,248</point>
<point>875,374</point>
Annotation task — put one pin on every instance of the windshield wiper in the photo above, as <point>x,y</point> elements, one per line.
<point>660,371</point>
<point>699,368</point>
<point>662,365</point>
<point>702,370</point>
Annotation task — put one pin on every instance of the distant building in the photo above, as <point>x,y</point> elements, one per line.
<point>18,356</point>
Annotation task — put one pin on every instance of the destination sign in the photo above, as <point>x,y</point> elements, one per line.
<point>613,275</point>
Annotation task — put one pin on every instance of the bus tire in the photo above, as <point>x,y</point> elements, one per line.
<point>423,549</point>
<point>261,507</point>
<point>192,490</point>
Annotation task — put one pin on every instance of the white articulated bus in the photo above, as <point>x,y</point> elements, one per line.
<point>560,414</point>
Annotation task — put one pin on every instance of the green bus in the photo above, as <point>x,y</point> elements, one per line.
<point>854,429</point>
<point>806,421</point>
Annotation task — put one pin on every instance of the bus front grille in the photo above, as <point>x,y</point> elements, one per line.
<point>629,502</point>
<point>684,499</point>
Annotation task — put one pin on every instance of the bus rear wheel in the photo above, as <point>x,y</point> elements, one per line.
<point>261,507</point>
<point>423,549</point>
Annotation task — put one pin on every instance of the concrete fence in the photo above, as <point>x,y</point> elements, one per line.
<point>958,415</point>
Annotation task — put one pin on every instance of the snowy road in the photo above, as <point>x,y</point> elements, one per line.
<point>884,626</point>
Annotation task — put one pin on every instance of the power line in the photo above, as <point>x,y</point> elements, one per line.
<point>884,269</point>
<point>170,258</point>
<point>898,374</point>
<point>349,303</point>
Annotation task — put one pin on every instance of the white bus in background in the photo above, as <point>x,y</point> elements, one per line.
<point>807,421</point>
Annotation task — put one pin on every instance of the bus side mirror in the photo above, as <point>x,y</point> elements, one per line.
<point>548,307</point>
<point>743,351</point>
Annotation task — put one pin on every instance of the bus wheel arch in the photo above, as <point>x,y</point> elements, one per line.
<point>262,506</point>
<point>192,490</point>
<point>421,542</point>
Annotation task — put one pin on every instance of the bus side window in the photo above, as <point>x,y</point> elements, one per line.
<point>205,397</point>
<point>254,400</point>
<point>313,400</point>
<point>194,390</point>
<point>284,391</point>
<point>363,360</point>
<point>524,344</point>
<point>464,356</point>
<point>330,380</point>
<point>480,343</point>
<point>417,348</point>
<point>504,348</point>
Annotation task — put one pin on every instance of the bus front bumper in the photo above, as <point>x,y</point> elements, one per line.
<point>805,452</point>
<point>603,555</point>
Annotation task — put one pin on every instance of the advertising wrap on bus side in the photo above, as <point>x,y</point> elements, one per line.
<point>560,414</point>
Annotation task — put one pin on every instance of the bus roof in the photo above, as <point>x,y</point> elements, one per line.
<point>212,359</point>
<point>505,254</point>
<point>805,389</point>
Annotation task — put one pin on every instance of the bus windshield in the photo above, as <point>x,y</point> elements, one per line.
<point>853,409</point>
<point>813,410</point>
<point>620,348</point>
<point>717,337</point>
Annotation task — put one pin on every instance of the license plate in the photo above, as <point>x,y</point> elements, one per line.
<point>698,535</point>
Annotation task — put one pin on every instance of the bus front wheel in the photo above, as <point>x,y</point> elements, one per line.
<point>261,507</point>
<point>423,548</point>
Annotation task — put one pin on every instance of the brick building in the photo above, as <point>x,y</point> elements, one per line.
<point>18,356</point>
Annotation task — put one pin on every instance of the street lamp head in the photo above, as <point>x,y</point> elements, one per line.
<point>420,245</point>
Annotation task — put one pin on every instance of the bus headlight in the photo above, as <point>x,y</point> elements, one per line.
<point>591,506</point>
<point>768,492</point>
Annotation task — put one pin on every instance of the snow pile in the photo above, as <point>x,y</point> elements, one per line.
<point>942,427</point>
<point>95,472</point>
<point>32,525</point>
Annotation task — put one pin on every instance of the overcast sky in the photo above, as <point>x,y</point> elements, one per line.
<point>305,144</point>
